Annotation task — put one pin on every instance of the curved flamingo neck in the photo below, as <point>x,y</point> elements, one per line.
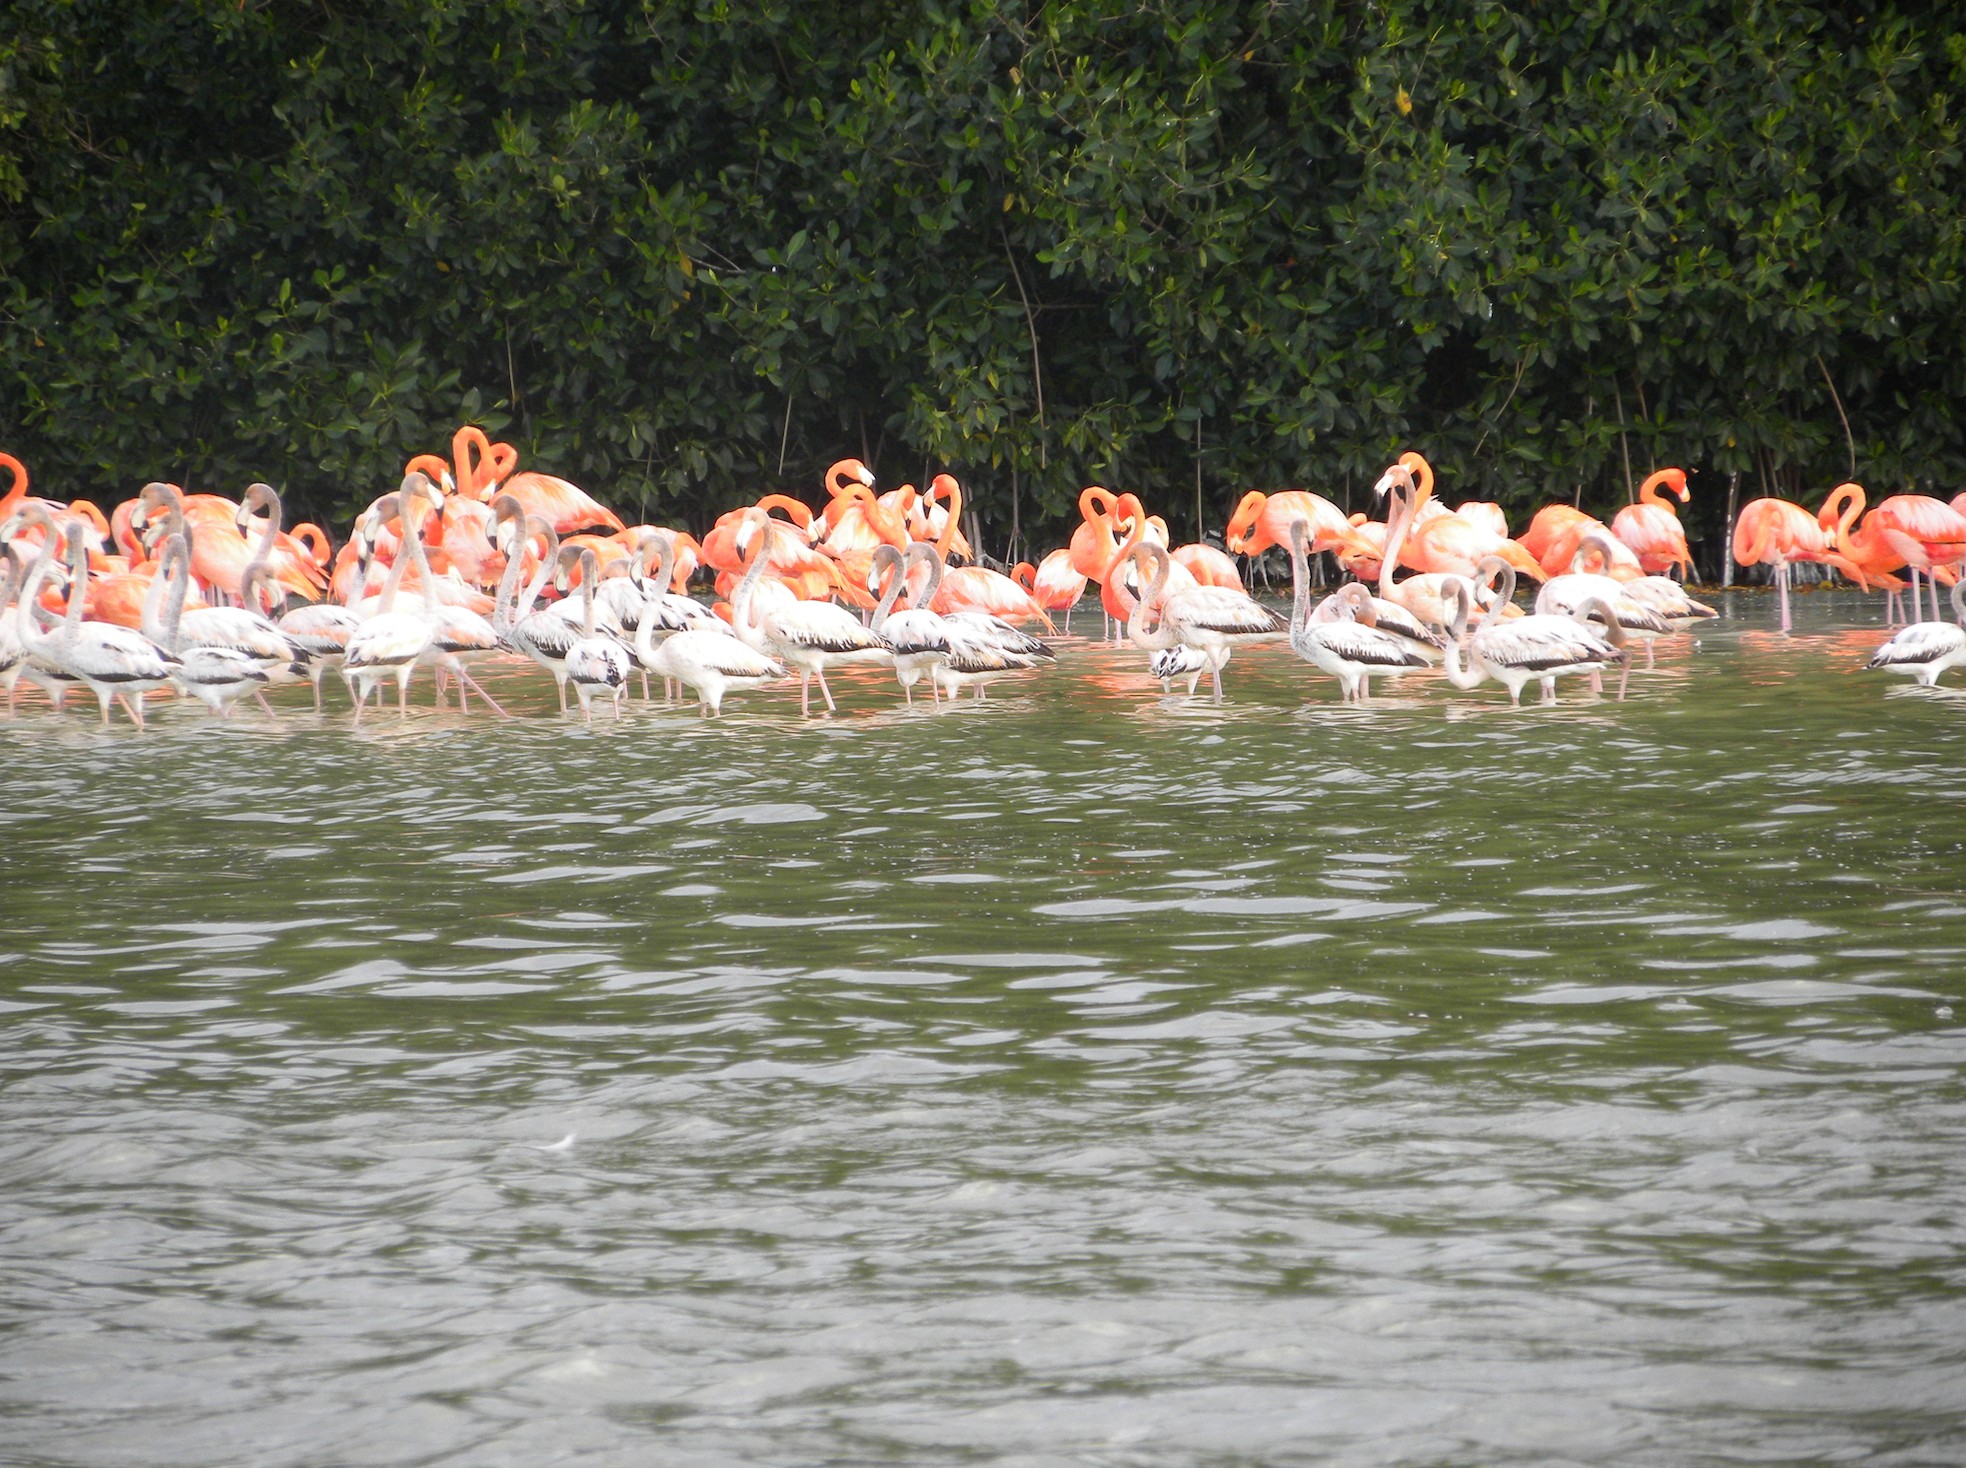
<point>1089,506</point>
<point>536,525</point>
<point>1300,576</point>
<point>752,562</point>
<point>1136,627</point>
<point>1423,477</point>
<point>1851,498</point>
<point>1399,521</point>
<point>18,491</point>
<point>163,603</point>
<point>1648,492</point>
<point>844,474</point>
<point>471,451</point>
<point>798,511</point>
<point>931,557</point>
<point>30,590</point>
<point>78,582</point>
<point>946,484</point>
<point>888,560</point>
<point>1130,510</point>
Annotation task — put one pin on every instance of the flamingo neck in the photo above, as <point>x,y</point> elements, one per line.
<point>888,559</point>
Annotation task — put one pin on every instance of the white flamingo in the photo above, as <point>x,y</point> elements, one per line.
<point>809,636</point>
<point>1924,650</point>
<point>116,663</point>
<point>217,677</point>
<point>597,662</point>
<point>1212,619</point>
<point>1542,646</point>
<point>1341,635</point>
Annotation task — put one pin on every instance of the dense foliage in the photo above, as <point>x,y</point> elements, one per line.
<point>682,250</point>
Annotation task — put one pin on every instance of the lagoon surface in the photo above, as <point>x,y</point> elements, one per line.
<point>1082,1077</point>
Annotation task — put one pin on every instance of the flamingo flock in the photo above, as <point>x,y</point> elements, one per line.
<point>469,561</point>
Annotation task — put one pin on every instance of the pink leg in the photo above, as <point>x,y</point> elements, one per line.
<point>1782,586</point>
<point>831,707</point>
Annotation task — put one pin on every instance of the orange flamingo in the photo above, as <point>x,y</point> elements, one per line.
<point>1775,533</point>
<point>1209,566</point>
<point>1448,544</point>
<point>931,520</point>
<point>1870,557</point>
<point>974,588</point>
<point>1651,527</point>
<point>1928,533</point>
<point>1053,584</point>
<point>1262,521</point>
<point>1554,534</point>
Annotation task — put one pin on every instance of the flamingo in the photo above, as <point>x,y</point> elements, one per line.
<point>1553,534</point>
<point>389,643</point>
<point>1927,532</point>
<point>1261,521</point>
<point>662,610</point>
<point>597,662</point>
<point>975,588</point>
<point>1660,594</point>
<point>1541,646</point>
<point>1774,532</point>
<point>1865,548</point>
<point>1448,542</point>
<point>1651,527</point>
<point>1341,636</point>
<point>116,663</point>
<point>12,655</point>
<point>983,647</point>
<point>50,678</point>
<point>217,677</point>
<point>1563,596</point>
<point>1927,649</point>
<point>544,636</point>
<point>920,637</point>
<point>1052,583</point>
<point>1213,619</point>
<point>809,636</point>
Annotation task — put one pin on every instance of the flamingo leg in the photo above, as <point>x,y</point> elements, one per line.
<point>1648,659</point>
<point>466,680</point>
<point>261,696</point>
<point>1624,677</point>
<point>805,694</point>
<point>831,707</point>
<point>1782,586</point>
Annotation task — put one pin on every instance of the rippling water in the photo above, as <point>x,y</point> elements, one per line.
<point>1084,1077</point>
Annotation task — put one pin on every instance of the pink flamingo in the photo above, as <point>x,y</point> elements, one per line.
<point>1651,527</point>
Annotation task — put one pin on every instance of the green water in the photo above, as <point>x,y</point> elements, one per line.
<point>1081,1078</point>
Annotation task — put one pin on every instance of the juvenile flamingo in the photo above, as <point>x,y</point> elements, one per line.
<point>1926,649</point>
<point>809,636</point>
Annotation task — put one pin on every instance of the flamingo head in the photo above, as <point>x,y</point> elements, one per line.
<point>1243,521</point>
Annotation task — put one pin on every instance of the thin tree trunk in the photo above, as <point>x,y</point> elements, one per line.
<point>1624,449</point>
<point>1849,439</point>
<point>1727,531</point>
